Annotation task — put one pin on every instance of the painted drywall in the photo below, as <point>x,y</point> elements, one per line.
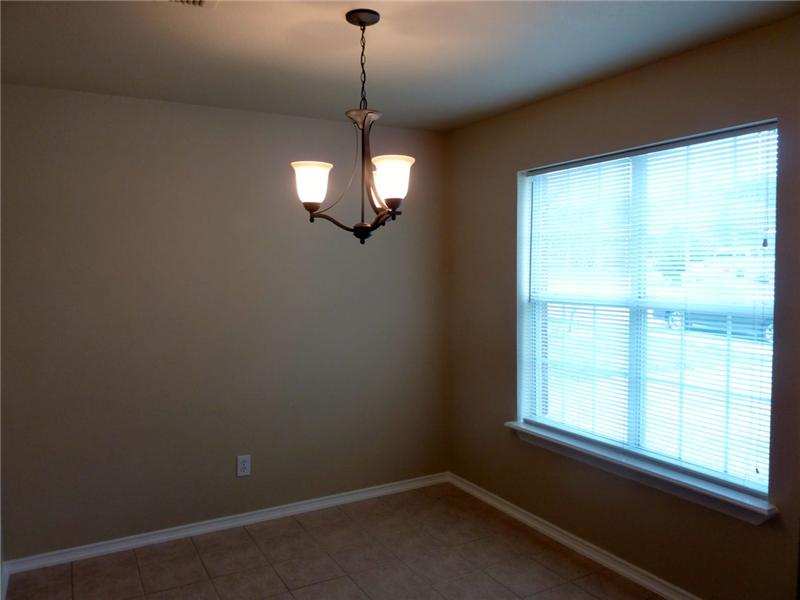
<point>167,306</point>
<point>739,80</point>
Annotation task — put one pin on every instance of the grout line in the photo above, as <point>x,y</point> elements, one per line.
<point>202,562</point>
<point>358,587</point>
<point>584,589</point>
<point>323,580</point>
<point>500,583</point>
<point>139,572</point>
<point>269,562</point>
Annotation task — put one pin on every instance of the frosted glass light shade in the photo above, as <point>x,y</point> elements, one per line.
<point>392,172</point>
<point>311,178</point>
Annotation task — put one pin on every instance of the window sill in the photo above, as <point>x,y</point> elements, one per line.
<point>750,508</point>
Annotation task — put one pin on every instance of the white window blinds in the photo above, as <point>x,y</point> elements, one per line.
<point>646,303</point>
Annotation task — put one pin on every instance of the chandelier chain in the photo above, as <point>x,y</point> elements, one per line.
<point>363,104</point>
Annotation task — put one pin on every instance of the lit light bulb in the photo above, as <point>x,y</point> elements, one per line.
<point>392,172</point>
<point>311,178</point>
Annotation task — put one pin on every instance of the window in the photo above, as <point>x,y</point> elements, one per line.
<point>646,304</point>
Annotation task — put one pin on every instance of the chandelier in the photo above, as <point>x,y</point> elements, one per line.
<point>384,179</point>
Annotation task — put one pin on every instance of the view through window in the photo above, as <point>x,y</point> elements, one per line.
<point>646,302</point>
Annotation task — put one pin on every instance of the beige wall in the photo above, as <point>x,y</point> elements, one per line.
<point>740,80</point>
<point>167,306</point>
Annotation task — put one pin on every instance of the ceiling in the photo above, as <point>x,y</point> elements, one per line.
<point>429,64</point>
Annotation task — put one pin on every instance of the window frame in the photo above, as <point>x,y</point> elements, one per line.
<point>693,484</point>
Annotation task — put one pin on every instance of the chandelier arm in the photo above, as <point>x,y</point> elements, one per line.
<point>375,199</point>
<point>349,181</point>
<point>369,172</point>
<point>380,219</point>
<point>364,165</point>
<point>317,215</point>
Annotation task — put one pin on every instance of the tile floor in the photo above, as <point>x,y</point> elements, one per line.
<point>434,542</point>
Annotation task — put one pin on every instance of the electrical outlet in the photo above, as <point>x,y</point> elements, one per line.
<point>243,465</point>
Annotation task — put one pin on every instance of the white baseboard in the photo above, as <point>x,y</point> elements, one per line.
<point>612,562</point>
<point>579,545</point>
<point>66,555</point>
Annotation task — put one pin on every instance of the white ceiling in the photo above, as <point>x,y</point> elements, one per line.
<point>429,64</point>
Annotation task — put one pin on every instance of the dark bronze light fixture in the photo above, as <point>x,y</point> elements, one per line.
<point>384,179</point>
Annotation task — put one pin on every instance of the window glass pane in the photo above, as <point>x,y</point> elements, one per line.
<point>707,401</point>
<point>647,303</point>
<point>589,260</point>
<point>585,389</point>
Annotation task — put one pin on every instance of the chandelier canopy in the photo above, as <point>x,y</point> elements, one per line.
<point>384,179</point>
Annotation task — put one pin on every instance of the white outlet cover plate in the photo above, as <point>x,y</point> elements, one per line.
<point>243,465</point>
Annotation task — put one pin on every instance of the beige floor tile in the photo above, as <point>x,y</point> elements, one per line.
<point>300,572</point>
<point>366,508</point>
<point>439,516</point>
<point>165,551</point>
<point>339,535</point>
<point>440,565</point>
<point>390,522</point>
<point>463,498</point>
<point>326,516</point>
<point>221,540</point>
<point>567,591</point>
<point>486,552</point>
<point>524,576</point>
<point>285,547</point>
<point>459,531</point>
<point>231,560</point>
<point>335,589</point>
<point>432,506</point>
<point>475,586</point>
<point>438,511</point>
<point>532,542</point>
<point>394,581</point>
<point>407,499</point>
<point>497,522</point>
<point>413,542</point>
<point>115,562</point>
<point>255,584</point>
<point>273,528</point>
<point>442,490</point>
<point>502,524</point>
<point>608,585</point>
<point>53,580</point>
<point>172,572</point>
<point>467,506</point>
<point>109,577</point>
<point>490,511</point>
<point>362,557</point>
<point>566,563</point>
<point>56,591</point>
<point>196,591</point>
